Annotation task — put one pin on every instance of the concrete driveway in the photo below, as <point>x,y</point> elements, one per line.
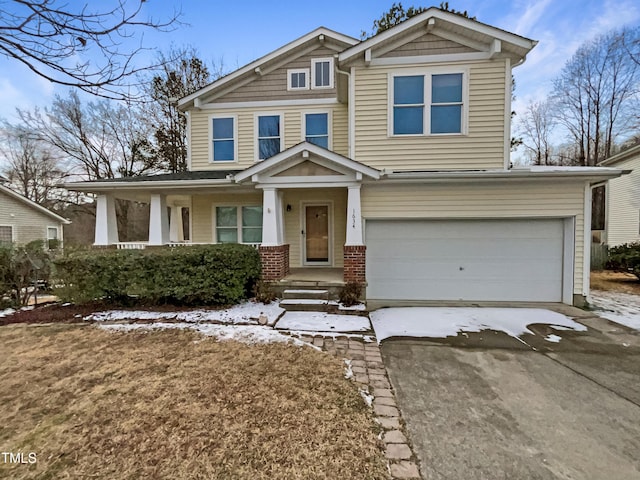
<point>486,406</point>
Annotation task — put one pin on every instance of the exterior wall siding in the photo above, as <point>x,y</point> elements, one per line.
<point>623,205</point>
<point>427,45</point>
<point>246,135</point>
<point>491,200</point>
<point>481,148</point>
<point>27,223</point>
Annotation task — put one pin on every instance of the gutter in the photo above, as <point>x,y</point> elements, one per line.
<point>513,174</point>
<point>149,185</point>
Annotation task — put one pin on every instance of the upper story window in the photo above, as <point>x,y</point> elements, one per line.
<point>6,234</point>
<point>428,104</point>
<point>223,139</point>
<point>269,136</point>
<point>317,129</point>
<point>322,73</point>
<point>298,79</point>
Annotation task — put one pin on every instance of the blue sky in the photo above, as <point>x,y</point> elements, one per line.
<point>240,31</point>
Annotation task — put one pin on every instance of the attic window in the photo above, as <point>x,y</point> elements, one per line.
<point>322,73</point>
<point>298,79</point>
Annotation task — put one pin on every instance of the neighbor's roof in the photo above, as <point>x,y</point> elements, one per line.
<point>7,191</point>
<point>620,157</point>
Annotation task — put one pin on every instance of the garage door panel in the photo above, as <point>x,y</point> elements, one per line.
<point>501,260</point>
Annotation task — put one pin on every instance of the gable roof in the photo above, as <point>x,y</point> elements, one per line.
<point>32,204</point>
<point>320,33</point>
<point>301,148</point>
<point>449,21</point>
<point>622,156</point>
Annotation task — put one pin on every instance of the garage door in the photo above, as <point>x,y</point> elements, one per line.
<point>490,260</point>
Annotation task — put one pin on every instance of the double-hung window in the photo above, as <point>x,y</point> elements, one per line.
<point>223,139</point>
<point>322,73</point>
<point>317,129</point>
<point>428,104</point>
<point>239,224</point>
<point>52,238</point>
<point>269,136</point>
<point>6,234</point>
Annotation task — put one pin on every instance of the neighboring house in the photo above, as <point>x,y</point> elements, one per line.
<point>22,221</point>
<point>623,199</point>
<point>387,158</point>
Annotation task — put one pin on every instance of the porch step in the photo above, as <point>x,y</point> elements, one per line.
<point>306,304</point>
<point>306,294</point>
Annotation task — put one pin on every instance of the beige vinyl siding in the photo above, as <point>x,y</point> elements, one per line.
<point>428,44</point>
<point>293,220</point>
<point>273,85</point>
<point>481,148</point>
<point>27,224</point>
<point>246,135</point>
<point>623,204</point>
<point>491,200</point>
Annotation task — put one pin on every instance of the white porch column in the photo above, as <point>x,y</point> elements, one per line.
<point>354,217</point>
<point>176,229</point>
<point>158,220</point>
<point>271,220</point>
<point>106,223</point>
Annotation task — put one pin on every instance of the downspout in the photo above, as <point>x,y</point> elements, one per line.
<point>351,111</point>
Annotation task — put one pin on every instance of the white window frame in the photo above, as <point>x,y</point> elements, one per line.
<point>307,77</point>
<point>426,123</point>
<point>13,231</point>
<point>303,122</point>
<point>256,148</point>
<point>314,61</point>
<point>238,208</point>
<point>53,227</point>
<point>235,139</point>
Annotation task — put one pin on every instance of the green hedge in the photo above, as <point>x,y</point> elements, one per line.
<point>625,258</point>
<point>195,275</point>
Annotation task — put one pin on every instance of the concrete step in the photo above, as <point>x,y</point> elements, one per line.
<point>311,294</point>
<point>306,305</point>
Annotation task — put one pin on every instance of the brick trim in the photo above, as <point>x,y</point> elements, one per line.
<point>355,257</point>
<point>275,262</point>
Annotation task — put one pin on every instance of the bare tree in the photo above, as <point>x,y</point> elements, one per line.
<point>32,168</point>
<point>79,45</point>
<point>536,126</point>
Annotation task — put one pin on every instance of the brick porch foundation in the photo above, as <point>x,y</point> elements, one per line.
<point>275,262</point>
<point>355,257</point>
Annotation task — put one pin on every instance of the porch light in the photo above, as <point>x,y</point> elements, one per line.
<point>289,207</point>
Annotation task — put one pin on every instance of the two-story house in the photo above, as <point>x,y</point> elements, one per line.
<point>387,158</point>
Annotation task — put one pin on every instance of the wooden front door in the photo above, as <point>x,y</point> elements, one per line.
<point>316,234</point>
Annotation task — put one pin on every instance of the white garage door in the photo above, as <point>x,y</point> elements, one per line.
<point>490,260</point>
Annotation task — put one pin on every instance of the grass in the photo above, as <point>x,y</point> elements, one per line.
<point>174,405</point>
<point>615,282</point>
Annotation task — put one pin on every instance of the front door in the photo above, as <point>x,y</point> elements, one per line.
<point>316,235</point>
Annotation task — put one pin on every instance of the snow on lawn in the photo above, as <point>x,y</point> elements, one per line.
<point>623,308</point>
<point>243,314</point>
<point>323,322</point>
<point>7,312</point>
<point>250,334</point>
<point>438,322</point>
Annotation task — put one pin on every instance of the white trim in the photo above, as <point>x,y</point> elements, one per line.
<point>271,103</point>
<point>13,231</point>
<point>189,145</point>
<point>307,80</point>
<point>315,61</point>
<point>234,118</point>
<point>428,74</point>
<point>238,206</point>
<point>276,53</point>
<point>352,114</point>
<point>586,246</point>
<point>53,227</point>
<point>303,124</point>
<point>507,113</point>
<point>256,146</point>
<point>303,238</point>
<point>568,267</point>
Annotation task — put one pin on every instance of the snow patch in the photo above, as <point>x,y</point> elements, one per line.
<point>367,397</point>
<point>249,334</point>
<point>358,307</point>
<point>243,314</point>
<point>7,312</point>
<point>323,322</point>
<point>553,338</point>
<point>440,322</point>
<point>348,372</point>
<point>622,308</point>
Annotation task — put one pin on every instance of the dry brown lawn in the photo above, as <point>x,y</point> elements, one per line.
<point>175,405</point>
<point>615,282</point>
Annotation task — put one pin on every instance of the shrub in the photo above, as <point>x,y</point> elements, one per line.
<point>21,267</point>
<point>350,294</point>
<point>264,292</point>
<point>196,275</point>
<point>625,258</point>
